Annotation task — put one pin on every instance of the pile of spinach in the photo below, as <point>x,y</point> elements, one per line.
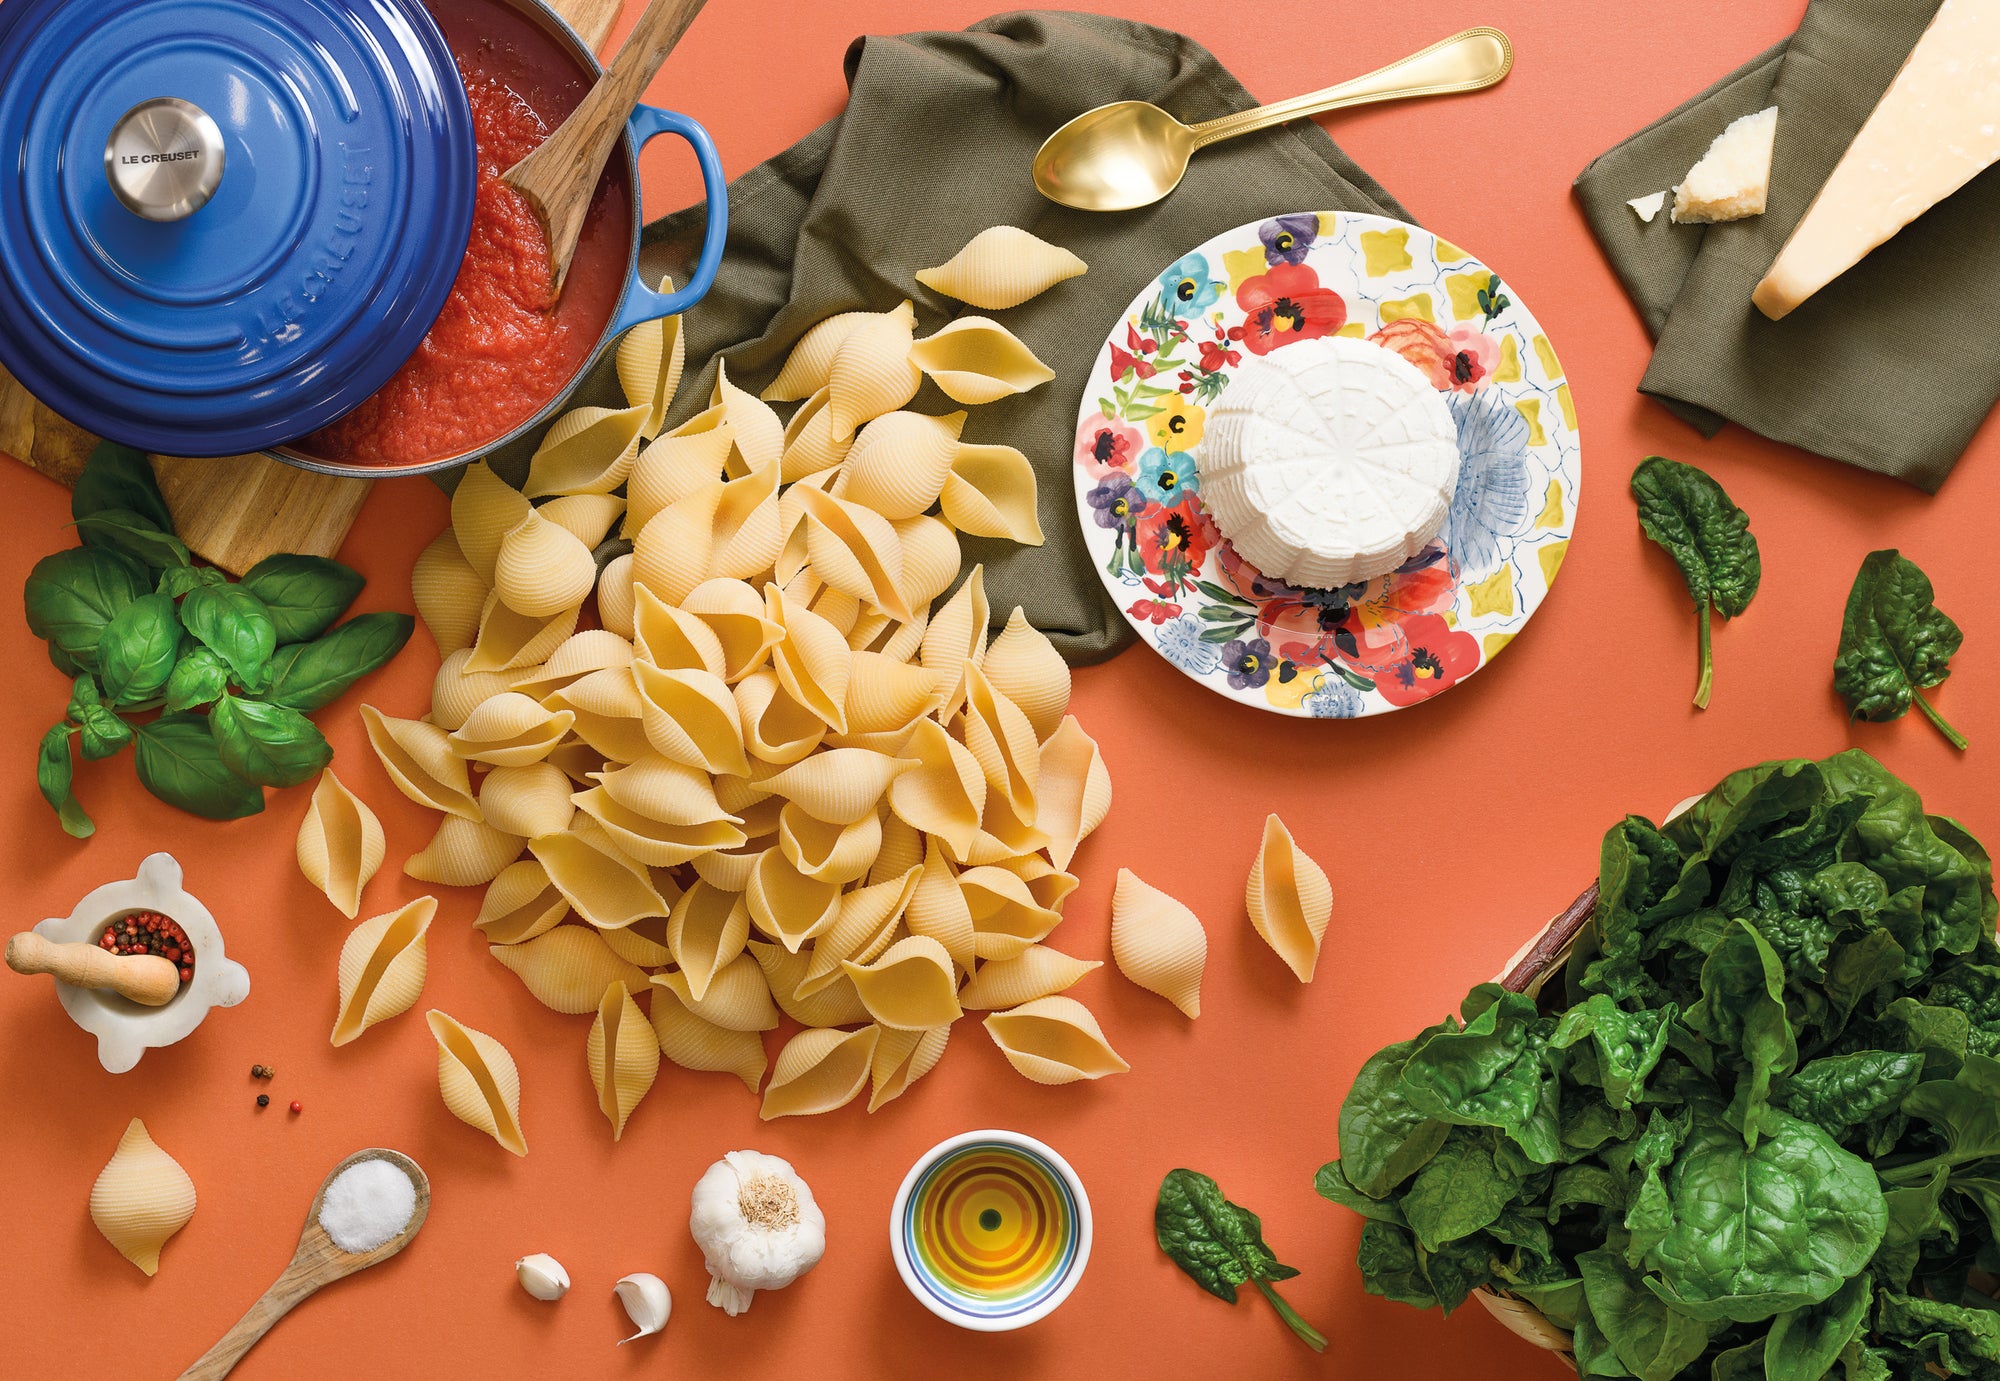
<point>1752,1131</point>
<point>209,681</point>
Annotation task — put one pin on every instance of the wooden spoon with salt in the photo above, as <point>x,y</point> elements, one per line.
<point>319,1261</point>
<point>560,175</point>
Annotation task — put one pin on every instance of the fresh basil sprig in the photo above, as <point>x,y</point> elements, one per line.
<point>1221,1245</point>
<point>1709,537</point>
<point>1893,642</point>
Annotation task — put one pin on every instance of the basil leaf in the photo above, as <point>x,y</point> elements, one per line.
<point>102,734</point>
<point>1893,642</point>
<point>198,678</point>
<point>176,581</point>
<point>267,744</point>
<point>71,595</point>
<point>306,676</point>
<point>139,649</point>
<point>234,625</point>
<point>1709,538</point>
<point>118,477</point>
<point>1220,1245</point>
<point>136,536</point>
<point>178,762</point>
<point>53,773</point>
<point>304,594</point>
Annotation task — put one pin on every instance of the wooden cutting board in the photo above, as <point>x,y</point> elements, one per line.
<point>233,510</point>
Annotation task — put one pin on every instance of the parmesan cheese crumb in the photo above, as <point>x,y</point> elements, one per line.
<point>1732,178</point>
<point>1648,207</point>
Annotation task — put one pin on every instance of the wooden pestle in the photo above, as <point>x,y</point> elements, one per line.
<point>147,979</point>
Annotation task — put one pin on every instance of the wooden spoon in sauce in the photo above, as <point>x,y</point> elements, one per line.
<point>318,1261</point>
<point>560,175</point>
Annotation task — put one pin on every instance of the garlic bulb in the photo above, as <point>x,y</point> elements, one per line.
<point>757,1226</point>
<point>542,1276</point>
<point>646,1302</point>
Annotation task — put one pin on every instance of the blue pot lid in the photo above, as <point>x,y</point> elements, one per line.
<point>309,272</point>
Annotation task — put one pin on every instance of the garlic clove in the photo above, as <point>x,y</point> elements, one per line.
<point>646,1302</point>
<point>542,1276</point>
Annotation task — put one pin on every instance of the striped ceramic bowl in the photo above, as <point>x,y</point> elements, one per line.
<point>990,1230</point>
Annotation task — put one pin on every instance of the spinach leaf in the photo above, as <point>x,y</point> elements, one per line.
<point>53,773</point>
<point>139,648</point>
<point>71,595</point>
<point>1964,1111</point>
<point>1331,1182</point>
<point>267,744</point>
<point>1495,1072</point>
<point>176,581</point>
<point>1389,1266</point>
<point>1894,641</point>
<point>1742,1009</point>
<point>118,477</point>
<point>1628,1044</point>
<point>1844,1091</point>
<point>1651,1215</point>
<point>1945,1337</point>
<point>306,676</point>
<point>1687,512</point>
<point>1973,989</point>
<point>1804,1344</point>
<point>304,594</point>
<point>234,625</point>
<point>136,536</point>
<point>199,678</point>
<point>1220,1246</point>
<point>1462,1189</point>
<point>1652,1340</point>
<point>102,732</point>
<point>1384,1140</point>
<point>1914,1218</point>
<point>178,762</point>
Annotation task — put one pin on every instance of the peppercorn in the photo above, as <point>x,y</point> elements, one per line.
<point>298,1107</point>
<point>263,1100</point>
<point>261,1071</point>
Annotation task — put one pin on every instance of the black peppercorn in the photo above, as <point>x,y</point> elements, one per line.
<point>261,1071</point>
<point>263,1100</point>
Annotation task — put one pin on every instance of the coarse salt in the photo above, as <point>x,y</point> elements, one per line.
<point>367,1204</point>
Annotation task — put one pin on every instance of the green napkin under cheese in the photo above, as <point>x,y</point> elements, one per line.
<point>1892,366</point>
<point>936,145</point>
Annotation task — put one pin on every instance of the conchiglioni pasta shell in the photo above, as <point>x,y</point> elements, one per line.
<point>736,614</point>
<point>624,1056</point>
<point>812,659</point>
<point>593,649</point>
<point>905,641</point>
<point>956,635</point>
<point>902,1058</point>
<point>944,794</point>
<point>587,451</point>
<point>829,853</point>
<point>809,444</point>
<point>542,568</point>
<point>527,801</point>
<point>866,926</point>
<point>484,509</point>
<point>756,433</point>
<point>382,967</point>
<point>614,595</point>
<point>578,761</point>
<point>479,1080</point>
<point>885,694</point>
<point>644,942</point>
<point>871,372</point>
<point>991,493</point>
<point>1046,883</point>
<point>1054,1040</point>
<point>674,551</point>
<point>1003,739</point>
<point>837,607</point>
<point>805,370</point>
<point>747,534</point>
<point>1036,972</point>
<point>567,969</point>
<point>1157,942</point>
<point>737,997</point>
<point>448,593</point>
<point>819,1071</point>
<point>899,461</point>
<point>1001,267</point>
<point>1004,826</point>
<point>840,785</point>
<point>1289,899</point>
<point>604,886</point>
<point>912,987</point>
<point>836,1004</point>
<point>670,792</point>
<point>587,517</point>
<point>938,908</point>
<point>976,360</point>
<point>708,930</point>
<point>931,560</point>
<point>871,626</point>
<point>702,1046</point>
<point>340,844</point>
<point>464,853</point>
<point>510,730</point>
<point>855,550</point>
<point>731,869</point>
<point>691,717</point>
<point>508,640</point>
<point>788,906</point>
<point>456,692</point>
<point>673,639</point>
<point>419,760</point>
<point>141,1197</point>
<point>654,842</point>
<point>902,849</point>
<point>1005,917</point>
<point>608,713</point>
<point>776,728</point>
<point>1073,792</point>
<point>650,358</point>
<point>520,904</point>
<point>685,460</point>
<point>1024,666</point>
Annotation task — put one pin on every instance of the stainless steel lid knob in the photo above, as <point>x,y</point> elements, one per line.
<point>164,159</point>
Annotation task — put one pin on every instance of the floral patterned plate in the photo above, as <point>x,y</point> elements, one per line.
<point>1387,643</point>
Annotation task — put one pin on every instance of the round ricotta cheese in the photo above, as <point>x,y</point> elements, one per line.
<point>1328,461</point>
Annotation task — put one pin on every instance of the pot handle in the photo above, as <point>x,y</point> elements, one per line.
<point>643,303</point>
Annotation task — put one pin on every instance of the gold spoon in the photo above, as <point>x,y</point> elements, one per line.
<point>1132,153</point>
<point>318,1261</point>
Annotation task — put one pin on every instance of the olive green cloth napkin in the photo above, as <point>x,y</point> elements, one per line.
<point>1893,366</point>
<point>936,144</point>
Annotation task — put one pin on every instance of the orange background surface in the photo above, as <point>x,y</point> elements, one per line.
<point>1451,832</point>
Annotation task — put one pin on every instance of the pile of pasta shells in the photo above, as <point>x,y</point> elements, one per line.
<point>766,780</point>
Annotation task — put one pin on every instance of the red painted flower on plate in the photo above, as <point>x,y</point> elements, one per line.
<point>1285,305</point>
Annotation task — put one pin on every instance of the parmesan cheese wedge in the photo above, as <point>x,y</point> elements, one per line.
<point>1732,178</point>
<point>1935,128</point>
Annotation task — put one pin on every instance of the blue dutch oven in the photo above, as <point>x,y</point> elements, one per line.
<point>225,223</point>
